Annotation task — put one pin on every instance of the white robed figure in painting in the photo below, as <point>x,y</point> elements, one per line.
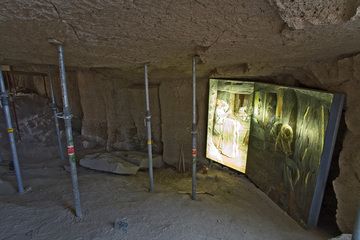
<point>221,112</point>
<point>230,138</point>
<point>214,142</point>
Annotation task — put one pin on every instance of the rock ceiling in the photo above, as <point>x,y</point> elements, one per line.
<point>124,33</point>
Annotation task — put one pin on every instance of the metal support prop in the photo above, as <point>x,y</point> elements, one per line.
<point>356,232</point>
<point>12,92</point>
<point>68,129</point>
<point>5,103</point>
<point>148,128</point>
<point>193,131</point>
<point>45,88</point>
<point>56,119</point>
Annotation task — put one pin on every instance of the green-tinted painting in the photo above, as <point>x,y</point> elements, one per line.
<point>230,110</point>
<point>286,143</point>
<point>275,135</point>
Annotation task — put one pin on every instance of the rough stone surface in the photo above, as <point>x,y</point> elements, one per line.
<point>109,119</point>
<point>347,185</point>
<point>124,33</point>
<point>342,237</point>
<point>140,158</point>
<point>114,111</point>
<point>6,188</point>
<point>301,13</point>
<point>108,162</point>
<point>302,42</point>
<point>176,112</point>
<point>41,86</point>
<point>235,211</point>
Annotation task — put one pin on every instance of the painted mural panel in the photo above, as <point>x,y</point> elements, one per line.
<point>286,143</point>
<point>230,110</point>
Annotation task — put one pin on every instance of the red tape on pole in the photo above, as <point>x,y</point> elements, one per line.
<point>71,150</point>
<point>194,152</point>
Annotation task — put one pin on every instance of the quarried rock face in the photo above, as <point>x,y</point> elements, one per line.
<point>114,111</point>
<point>290,42</point>
<point>347,185</point>
<point>176,113</point>
<point>301,13</point>
<point>113,105</point>
<point>342,237</point>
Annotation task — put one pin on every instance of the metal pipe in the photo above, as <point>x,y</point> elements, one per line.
<point>148,127</point>
<point>56,119</point>
<point>6,78</point>
<point>12,94</point>
<point>68,130</point>
<point>193,131</point>
<point>13,80</point>
<point>356,231</point>
<point>45,88</point>
<point>5,104</point>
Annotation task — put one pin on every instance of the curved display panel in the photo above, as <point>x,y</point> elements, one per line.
<point>281,137</point>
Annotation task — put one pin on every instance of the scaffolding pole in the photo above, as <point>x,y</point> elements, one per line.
<point>68,128</point>
<point>148,129</point>
<point>5,104</point>
<point>193,130</point>
<point>12,93</point>
<point>45,88</point>
<point>56,119</point>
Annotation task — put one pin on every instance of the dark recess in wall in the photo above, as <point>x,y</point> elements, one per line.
<point>327,218</point>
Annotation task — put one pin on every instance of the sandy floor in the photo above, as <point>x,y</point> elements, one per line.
<point>237,209</point>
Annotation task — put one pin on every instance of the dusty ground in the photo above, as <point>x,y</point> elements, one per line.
<point>237,209</point>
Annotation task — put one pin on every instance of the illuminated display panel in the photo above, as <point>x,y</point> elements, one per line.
<point>230,110</point>
<point>286,143</point>
<point>281,137</point>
